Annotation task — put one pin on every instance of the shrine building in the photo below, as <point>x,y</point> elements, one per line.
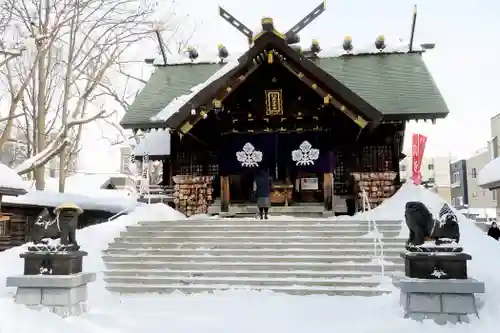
<point>325,124</point>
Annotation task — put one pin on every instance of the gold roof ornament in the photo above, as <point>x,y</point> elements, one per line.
<point>347,44</point>
<point>380,42</point>
<point>315,48</point>
<point>68,205</point>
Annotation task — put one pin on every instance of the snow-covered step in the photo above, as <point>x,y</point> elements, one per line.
<point>263,228</point>
<point>339,274</point>
<point>291,290</point>
<point>246,281</point>
<point>259,226</point>
<point>255,265</point>
<point>252,221</point>
<point>251,233</point>
<point>249,239</point>
<point>252,252</point>
<point>306,256</point>
<point>154,244</point>
<point>243,258</point>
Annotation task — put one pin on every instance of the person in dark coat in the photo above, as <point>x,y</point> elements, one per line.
<point>493,231</point>
<point>263,185</point>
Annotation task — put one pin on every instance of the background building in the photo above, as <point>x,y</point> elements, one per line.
<point>125,160</point>
<point>458,187</point>
<point>478,197</point>
<point>435,173</point>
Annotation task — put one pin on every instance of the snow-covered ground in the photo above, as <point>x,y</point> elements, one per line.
<point>249,311</point>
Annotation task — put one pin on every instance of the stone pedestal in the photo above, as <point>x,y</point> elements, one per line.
<point>65,295</point>
<point>441,300</point>
<point>436,265</point>
<point>53,263</point>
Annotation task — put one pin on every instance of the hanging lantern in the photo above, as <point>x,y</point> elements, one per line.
<point>217,103</point>
<point>347,45</point>
<point>380,43</point>
<point>192,53</point>
<point>223,53</point>
<point>315,46</point>
<point>193,112</point>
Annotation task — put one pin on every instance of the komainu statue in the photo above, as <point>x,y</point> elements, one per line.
<point>423,227</point>
<point>61,224</point>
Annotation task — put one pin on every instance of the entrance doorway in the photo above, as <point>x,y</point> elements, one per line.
<point>298,181</point>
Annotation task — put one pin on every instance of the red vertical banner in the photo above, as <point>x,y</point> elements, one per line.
<point>417,153</point>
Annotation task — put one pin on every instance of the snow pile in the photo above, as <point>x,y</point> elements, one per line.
<point>490,174</point>
<point>10,179</point>
<point>177,103</point>
<point>229,311</point>
<point>482,248</point>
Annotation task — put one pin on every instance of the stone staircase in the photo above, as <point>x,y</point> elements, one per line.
<point>300,256</point>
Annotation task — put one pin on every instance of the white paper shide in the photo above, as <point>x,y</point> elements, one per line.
<point>305,155</point>
<point>249,156</point>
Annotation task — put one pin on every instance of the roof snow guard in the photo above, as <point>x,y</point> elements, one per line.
<point>489,176</point>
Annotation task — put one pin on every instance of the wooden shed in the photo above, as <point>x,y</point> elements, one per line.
<point>23,210</point>
<point>11,227</point>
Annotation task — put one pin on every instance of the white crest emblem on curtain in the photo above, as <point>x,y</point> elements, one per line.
<point>305,155</point>
<point>248,156</point>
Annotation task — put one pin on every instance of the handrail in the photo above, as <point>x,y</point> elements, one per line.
<point>126,210</point>
<point>377,236</point>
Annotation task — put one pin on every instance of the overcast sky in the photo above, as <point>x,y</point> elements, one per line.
<point>464,63</point>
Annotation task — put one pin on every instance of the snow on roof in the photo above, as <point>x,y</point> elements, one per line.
<point>9,179</point>
<point>209,57</point>
<point>177,103</point>
<point>111,204</point>
<point>81,183</point>
<point>154,143</point>
<point>489,176</point>
<point>397,46</point>
<point>393,45</point>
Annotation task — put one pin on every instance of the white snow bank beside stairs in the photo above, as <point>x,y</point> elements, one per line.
<point>485,251</point>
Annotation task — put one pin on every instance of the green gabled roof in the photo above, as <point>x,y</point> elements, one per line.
<point>165,84</point>
<point>399,85</point>
<point>396,84</point>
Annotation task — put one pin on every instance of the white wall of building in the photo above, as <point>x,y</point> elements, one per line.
<point>435,170</point>
<point>478,197</point>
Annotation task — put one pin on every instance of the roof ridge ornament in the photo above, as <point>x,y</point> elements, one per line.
<point>291,36</point>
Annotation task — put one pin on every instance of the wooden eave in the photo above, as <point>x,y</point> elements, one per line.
<point>145,125</point>
<point>272,41</point>
<point>415,116</point>
<point>13,192</point>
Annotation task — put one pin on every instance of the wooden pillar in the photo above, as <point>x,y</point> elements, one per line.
<point>328,191</point>
<point>225,196</point>
<point>167,172</point>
